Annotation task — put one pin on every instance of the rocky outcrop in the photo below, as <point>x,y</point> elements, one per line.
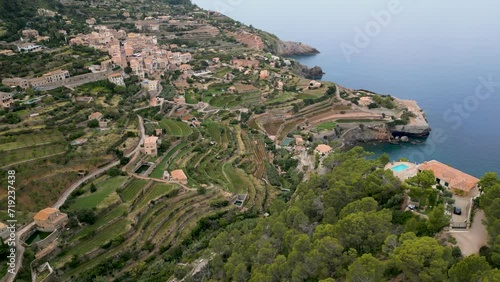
<point>312,73</point>
<point>411,130</point>
<point>368,133</point>
<point>289,48</point>
<point>417,126</point>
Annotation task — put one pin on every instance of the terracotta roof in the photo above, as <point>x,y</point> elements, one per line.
<point>151,140</point>
<point>178,175</point>
<point>45,213</point>
<point>322,148</point>
<point>2,225</point>
<point>456,178</point>
<point>95,115</point>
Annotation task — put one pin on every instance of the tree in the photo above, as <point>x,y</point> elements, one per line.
<point>365,205</point>
<point>437,219</point>
<point>366,268</point>
<point>468,269</point>
<point>86,215</point>
<point>423,259</point>
<point>11,118</point>
<point>93,188</point>
<point>93,123</point>
<point>384,159</point>
<point>490,276</point>
<point>369,233</point>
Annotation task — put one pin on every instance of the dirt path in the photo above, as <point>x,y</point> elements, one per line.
<point>472,240</point>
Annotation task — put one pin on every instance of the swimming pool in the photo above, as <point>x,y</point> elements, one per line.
<point>400,167</point>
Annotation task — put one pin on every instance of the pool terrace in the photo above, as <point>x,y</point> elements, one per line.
<point>402,170</point>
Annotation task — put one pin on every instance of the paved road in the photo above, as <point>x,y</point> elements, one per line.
<point>472,239</point>
<point>64,197</point>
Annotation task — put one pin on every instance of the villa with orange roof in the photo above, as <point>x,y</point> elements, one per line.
<point>179,175</point>
<point>323,149</point>
<point>50,219</point>
<point>451,178</point>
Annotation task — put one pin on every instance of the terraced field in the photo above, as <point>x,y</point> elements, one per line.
<point>160,220</point>
<point>175,128</point>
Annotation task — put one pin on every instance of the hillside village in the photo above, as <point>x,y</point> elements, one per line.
<point>153,126</point>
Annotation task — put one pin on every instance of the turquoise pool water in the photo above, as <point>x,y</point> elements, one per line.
<point>400,168</point>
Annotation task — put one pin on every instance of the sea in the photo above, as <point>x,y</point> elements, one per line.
<point>443,54</point>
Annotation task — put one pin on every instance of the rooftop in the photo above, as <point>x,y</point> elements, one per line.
<point>322,148</point>
<point>456,178</point>
<point>151,140</point>
<point>178,174</point>
<point>45,213</point>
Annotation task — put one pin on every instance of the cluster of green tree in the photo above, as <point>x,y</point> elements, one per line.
<point>14,15</point>
<point>490,203</point>
<point>403,120</point>
<point>346,224</point>
<point>329,94</point>
<point>384,101</point>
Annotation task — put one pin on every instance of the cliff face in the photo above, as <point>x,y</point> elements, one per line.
<point>289,48</point>
<point>417,126</point>
<point>311,73</point>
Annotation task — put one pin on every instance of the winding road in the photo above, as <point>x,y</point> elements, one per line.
<point>20,249</point>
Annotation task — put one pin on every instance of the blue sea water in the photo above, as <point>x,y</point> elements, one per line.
<point>444,55</point>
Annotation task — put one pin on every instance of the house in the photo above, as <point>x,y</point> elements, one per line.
<point>4,231</point>
<point>28,47</point>
<point>323,149</point>
<point>299,141</point>
<point>6,99</point>
<point>451,178</point>
<point>180,99</point>
<point>96,115</point>
<point>50,219</point>
<point>264,74</point>
<point>16,81</point>
<point>30,33</point>
<point>178,175</point>
<point>103,123</point>
<point>245,63</point>
<point>91,21</point>
<point>151,146</point>
<point>116,78</point>
<point>7,52</point>
<point>314,84</point>
<point>150,85</point>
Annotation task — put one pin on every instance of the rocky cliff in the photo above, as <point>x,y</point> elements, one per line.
<point>417,125</point>
<point>311,73</point>
<point>289,48</point>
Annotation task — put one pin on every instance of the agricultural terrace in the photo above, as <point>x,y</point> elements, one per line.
<point>147,215</point>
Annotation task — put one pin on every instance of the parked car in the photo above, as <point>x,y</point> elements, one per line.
<point>411,207</point>
<point>457,210</point>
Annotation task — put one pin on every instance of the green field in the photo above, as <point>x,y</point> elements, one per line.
<point>104,189</point>
<point>101,221</point>
<point>28,153</point>
<point>102,237</point>
<point>155,191</point>
<point>129,193</point>
<point>239,182</point>
<point>176,128</point>
<point>29,140</point>
<point>329,125</point>
<point>160,168</point>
